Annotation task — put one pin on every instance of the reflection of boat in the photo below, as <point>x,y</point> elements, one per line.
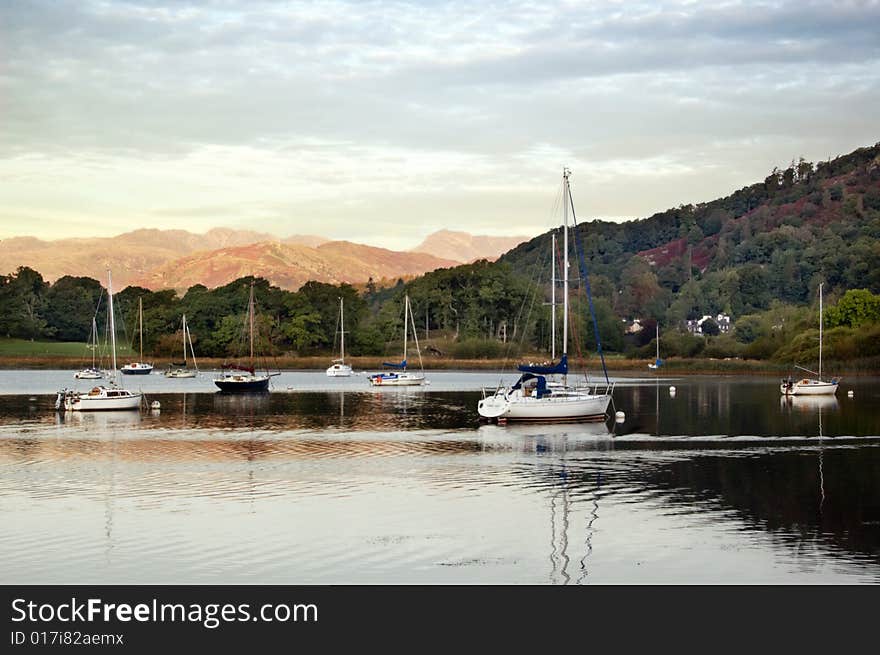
<point>101,420</point>
<point>403,377</point>
<point>810,403</point>
<point>101,397</point>
<point>339,369</point>
<point>92,372</point>
<point>180,370</point>
<point>140,367</point>
<point>533,397</point>
<point>238,378</point>
<point>811,386</point>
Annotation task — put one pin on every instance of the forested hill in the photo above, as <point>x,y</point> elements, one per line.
<point>775,239</point>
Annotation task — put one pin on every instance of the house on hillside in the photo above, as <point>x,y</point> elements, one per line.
<point>634,327</point>
<point>695,326</point>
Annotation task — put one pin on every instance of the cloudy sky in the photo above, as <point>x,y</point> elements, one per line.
<point>380,122</point>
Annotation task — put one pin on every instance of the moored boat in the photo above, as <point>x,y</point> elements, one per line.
<point>400,377</point>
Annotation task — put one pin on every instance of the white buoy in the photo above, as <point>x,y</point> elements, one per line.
<point>850,394</point>
<point>671,389</point>
<point>155,404</point>
<point>620,417</point>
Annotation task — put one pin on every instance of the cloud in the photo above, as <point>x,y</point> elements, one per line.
<point>157,110</point>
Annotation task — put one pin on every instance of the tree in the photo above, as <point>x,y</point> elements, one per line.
<point>710,327</point>
<point>856,308</point>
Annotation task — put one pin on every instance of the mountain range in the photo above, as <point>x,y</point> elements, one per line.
<point>177,259</point>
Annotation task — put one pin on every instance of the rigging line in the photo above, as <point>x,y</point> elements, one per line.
<point>579,245</point>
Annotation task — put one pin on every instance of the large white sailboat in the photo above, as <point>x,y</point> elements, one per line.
<point>811,386</point>
<point>100,397</point>
<point>535,398</point>
<point>140,367</point>
<point>401,377</point>
<point>339,369</point>
<point>181,369</point>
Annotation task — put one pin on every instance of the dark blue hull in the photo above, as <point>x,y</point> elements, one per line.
<point>246,386</point>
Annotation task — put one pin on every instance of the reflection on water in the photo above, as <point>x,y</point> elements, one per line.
<point>725,482</point>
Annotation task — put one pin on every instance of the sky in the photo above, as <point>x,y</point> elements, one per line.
<point>380,122</point>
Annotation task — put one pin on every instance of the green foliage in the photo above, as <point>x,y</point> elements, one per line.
<point>857,307</point>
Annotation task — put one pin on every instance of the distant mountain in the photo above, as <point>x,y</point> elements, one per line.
<point>463,247</point>
<point>130,256</point>
<point>289,266</point>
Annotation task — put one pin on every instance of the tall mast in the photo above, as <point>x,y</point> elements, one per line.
<point>658,342</point>
<point>566,199</point>
<point>820,331</point>
<point>251,321</point>
<point>341,331</point>
<point>95,337</point>
<point>184,339</point>
<point>112,325</point>
<point>405,317</point>
<point>141,326</point>
<point>553,297</point>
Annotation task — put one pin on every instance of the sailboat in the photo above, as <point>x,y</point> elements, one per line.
<point>657,362</point>
<point>533,397</point>
<point>139,367</point>
<point>92,372</point>
<point>237,378</point>
<point>101,397</point>
<point>180,369</point>
<point>339,369</point>
<point>811,386</point>
<point>404,377</point>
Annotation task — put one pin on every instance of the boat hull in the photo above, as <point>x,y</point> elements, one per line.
<point>397,380</point>
<point>809,387</point>
<point>253,385</point>
<point>514,407</point>
<point>137,369</point>
<point>180,374</point>
<point>339,371</point>
<point>86,403</point>
<point>88,374</point>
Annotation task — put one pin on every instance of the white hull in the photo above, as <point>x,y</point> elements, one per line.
<point>339,371</point>
<point>88,374</point>
<point>180,373</point>
<point>809,387</point>
<point>564,406</point>
<point>397,380</point>
<point>137,368</point>
<point>101,399</point>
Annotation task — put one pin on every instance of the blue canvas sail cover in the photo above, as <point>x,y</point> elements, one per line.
<point>560,368</point>
<point>390,365</point>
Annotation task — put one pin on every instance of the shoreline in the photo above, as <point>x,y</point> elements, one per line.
<point>317,363</point>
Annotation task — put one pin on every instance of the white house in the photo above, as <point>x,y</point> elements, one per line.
<point>696,326</point>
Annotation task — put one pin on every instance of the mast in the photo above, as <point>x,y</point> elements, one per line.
<point>141,325</point>
<point>341,331</point>
<point>112,325</point>
<point>405,317</point>
<point>95,337</point>
<point>658,343</point>
<point>566,199</point>
<point>251,322</point>
<point>820,331</point>
<point>184,339</point>
<point>553,297</point>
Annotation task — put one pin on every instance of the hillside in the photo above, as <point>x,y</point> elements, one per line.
<point>289,266</point>
<point>773,240</point>
<point>463,247</point>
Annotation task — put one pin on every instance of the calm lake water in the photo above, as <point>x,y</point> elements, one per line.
<point>329,481</point>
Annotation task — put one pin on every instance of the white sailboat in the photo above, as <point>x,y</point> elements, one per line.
<point>139,367</point>
<point>181,370</point>
<point>339,369</point>
<point>811,386</point>
<point>657,361</point>
<point>92,372</point>
<point>403,377</point>
<point>533,397</point>
<point>101,397</point>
